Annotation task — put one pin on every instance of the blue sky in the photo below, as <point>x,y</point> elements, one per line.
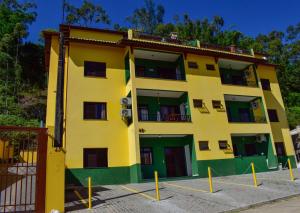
<point>248,16</point>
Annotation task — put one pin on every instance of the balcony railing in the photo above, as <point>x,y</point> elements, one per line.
<point>240,83</point>
<point>165,118</point>
<point>232,48</point>
<point>162,76</point>
<point>191,43</point>
<point>149,37</point>
<point>256,119</point>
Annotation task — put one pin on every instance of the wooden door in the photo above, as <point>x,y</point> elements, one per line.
<point>175,161</point>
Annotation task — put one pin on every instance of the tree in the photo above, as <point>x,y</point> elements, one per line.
<point>148,17</point>
<point>15,17</point>
<point>87,14</point>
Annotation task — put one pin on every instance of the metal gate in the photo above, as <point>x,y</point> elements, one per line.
<point>22,169</point>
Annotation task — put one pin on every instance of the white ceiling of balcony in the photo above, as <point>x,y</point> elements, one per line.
<point>159,93</point>
<point>162,136</point>
<point>239,98</point>
<point>153,55</point>
<point>231,64</point>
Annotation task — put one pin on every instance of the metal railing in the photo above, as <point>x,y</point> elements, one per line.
<point>232,48</point>
<point>192,43</point>
<point>161,76</point>
<point>165,118</point>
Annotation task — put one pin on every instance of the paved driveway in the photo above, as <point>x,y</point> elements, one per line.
<point>189,195</point>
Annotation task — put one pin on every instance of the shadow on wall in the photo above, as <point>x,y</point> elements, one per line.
<point>71,179</point>
<point>96,54</point>
<point>281,127</point>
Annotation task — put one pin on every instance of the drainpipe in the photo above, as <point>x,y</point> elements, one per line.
<point>59,113</point>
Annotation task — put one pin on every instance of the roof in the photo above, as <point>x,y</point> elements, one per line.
<point>68,27</point>
<point>205,50</point>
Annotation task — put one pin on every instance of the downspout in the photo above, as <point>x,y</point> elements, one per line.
<point>59,110</point>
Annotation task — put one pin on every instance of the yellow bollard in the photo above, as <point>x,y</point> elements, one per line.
<point>210,180</point>
<point>90,192</point>
<point>291,171</point>
<point>254,175</point>
<point>156,186</point>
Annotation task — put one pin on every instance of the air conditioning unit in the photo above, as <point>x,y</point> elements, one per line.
<point>254,105</point>
<point>261,138</point>
<point>126,101</point>
<point>126,113</point>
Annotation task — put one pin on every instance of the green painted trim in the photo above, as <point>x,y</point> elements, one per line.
<point>103,176</point>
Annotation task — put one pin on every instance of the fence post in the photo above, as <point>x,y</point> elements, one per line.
<point>210,180</point>
<point>90,192</point>
<point>254,175</point>
<point>291,171</point>
<point>156,186</point>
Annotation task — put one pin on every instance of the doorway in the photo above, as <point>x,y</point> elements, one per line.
<point>175,161</point>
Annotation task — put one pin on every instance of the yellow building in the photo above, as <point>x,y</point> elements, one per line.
<point>136,103</point>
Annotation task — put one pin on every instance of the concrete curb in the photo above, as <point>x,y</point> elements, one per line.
<point>262,203</point>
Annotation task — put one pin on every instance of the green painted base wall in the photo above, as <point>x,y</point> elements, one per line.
<point>104,176</point>
<point>235,166</point>
<point>132,174</point>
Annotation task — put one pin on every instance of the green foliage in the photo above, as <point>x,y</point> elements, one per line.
<point>147,17</point>
<point>293,116</point>
<point>87,14</point>
<point>14,120</point>
<point>21,67</point>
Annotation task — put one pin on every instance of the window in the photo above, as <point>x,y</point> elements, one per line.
<point>273,115</point>
<point>280,150</point>
<point>95,69</point>
<point>203,145</point>
<point>94,157</point>
<point>210,67</point>
<point>223,144</point>
<point>198,103</point>
<point>216,104</point>
<point>265,84</point>
<point>146,156</point>
<point>193,64</point>
<point>94,110</point>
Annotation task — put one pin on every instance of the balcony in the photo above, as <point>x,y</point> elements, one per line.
<point>237,73</point>
<point>244,109</point>
<point>163,106</point>
<point>159,65</point>
<point>253,148</point>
